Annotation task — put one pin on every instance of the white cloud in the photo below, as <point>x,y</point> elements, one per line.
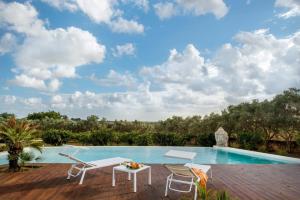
<point>165,10</point>
<point>125,49</point>
<point>105,11</point>
<point>9,99</point>
<point>33,101</point>
<point>292,7</point>
<point>121,25</point>
<point>47,55</point>
<point>63,4</point>
<point>31,82</point>
<point>98,11</point>
<point>7,43</point>
<point>116,79</point>
<point>22,18</point>
<point>195,7</point>
<point>58,51</point>
<point>142,4</point>
<point>260,65</point>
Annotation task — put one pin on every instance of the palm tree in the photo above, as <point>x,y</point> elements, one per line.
<point>18,134</point>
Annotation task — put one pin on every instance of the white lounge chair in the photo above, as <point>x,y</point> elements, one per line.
<point>82,166</point>
<point>182,174</point>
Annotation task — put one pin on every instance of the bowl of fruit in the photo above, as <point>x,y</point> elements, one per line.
<point>133,165</point>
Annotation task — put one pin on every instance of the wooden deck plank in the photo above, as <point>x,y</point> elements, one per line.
<point>250,182</point>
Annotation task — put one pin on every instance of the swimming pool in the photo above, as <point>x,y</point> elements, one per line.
<point>151,154</point>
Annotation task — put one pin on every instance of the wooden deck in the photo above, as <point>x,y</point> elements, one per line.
<point>255,182</point>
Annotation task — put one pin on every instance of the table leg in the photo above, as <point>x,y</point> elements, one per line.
<point>149,177</point>
<point>134,182</point>
<point>129,176</point>
<point>113,178</point>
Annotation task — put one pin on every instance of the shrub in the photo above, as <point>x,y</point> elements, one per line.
<point>3,147</point>
<point>298,139</point>
<point>56,137</point>
<point>143,139</point>
<point>206,139</point>
<point>83,137</point>
<point>100,137</point>
<point>168,139</point>
<point>128,138</point>
<point>249,141</point>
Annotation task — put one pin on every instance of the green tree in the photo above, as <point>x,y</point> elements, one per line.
<point>18,134</point>
<point>43,115</point>
<point>287,111</point>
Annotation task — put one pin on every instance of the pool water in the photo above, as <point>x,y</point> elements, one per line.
<point>205,155</point>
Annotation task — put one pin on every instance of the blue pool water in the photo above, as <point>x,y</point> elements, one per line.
<point>205,155</point>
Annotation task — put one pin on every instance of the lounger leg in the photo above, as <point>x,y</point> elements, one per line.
<point>113,178</point>
<point>166,191</point>
<point>211,174</point>
<point>70,171</point>
<point>82,177</point>
<point>196,193</point>
<point>149,177</point>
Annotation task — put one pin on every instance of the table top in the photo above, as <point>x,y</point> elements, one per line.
<point>123,168</point>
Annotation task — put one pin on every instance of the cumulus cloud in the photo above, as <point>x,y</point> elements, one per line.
<point>22,18</point>
<point>165,10</point>
<point>260,65</point>
<point>195,7</point>
<point>125,49</point>
<point>47,55</point>
<point>105,11</point>
<point>292,7</point>
<point>7,43</point>
<point>121,25</point>
<point>116,79</point>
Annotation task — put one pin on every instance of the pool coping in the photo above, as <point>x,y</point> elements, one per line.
<point>291,160</point>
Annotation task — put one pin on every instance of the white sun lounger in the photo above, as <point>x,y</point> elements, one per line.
<point>82,166</point>
<point>184,171</point>
<point>189,156</point>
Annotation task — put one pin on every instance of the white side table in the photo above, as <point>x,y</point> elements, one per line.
<point>123,168</point>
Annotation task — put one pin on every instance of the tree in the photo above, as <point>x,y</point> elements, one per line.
<point>44,115</point>
<point>18,134</point>
<point>287,110</point>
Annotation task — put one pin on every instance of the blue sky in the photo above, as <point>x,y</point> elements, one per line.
<point>144,59</point>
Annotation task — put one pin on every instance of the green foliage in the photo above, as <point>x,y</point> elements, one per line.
<point>143,139</point>
<point>298,139</point>
<point>18,134</point>
<point>101,137</point>
<point>56,137</point>
<point>3,147</point>
<point>5,116</point>
<point>168,139</point>
<point>249,141</point>
<point>223,195</point>
<point>44,115</point>
<point>25,157</point>
<point>128,138</point>
<point>207,140</point>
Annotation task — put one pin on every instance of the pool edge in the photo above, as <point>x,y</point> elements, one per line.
<point>291,160</point>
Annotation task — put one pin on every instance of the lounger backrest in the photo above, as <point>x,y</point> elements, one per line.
<point>180,170</point>
<point>73,158</point>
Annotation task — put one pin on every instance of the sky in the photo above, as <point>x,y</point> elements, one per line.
<point>145,59</point>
